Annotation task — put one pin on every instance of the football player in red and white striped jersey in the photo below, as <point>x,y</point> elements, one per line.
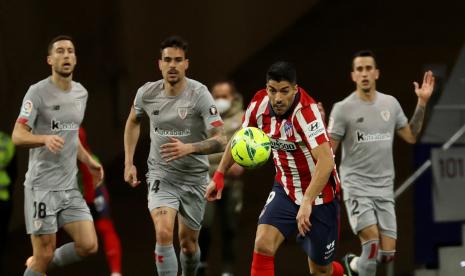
<point>303,196</point>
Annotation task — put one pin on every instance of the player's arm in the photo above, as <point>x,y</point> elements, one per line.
<point>216,142</point>
<point>324,167</point>
<point>216,185</point>
<point>22,136</point>
<point>335,144</point>
<point>131,136</point>
<point>95,168</point>
<point>410,132</point>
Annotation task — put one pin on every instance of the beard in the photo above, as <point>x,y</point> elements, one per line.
<point>64,74</point>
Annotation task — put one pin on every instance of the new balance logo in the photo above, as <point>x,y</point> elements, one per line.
<point>359,120</point>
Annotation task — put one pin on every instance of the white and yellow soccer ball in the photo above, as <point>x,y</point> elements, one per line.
<point>250,147</point>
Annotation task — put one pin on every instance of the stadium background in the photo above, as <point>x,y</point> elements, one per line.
<point>117,47</point>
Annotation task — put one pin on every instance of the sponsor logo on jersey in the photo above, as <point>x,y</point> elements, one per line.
<point>173,132</point>
<point>385,114</point>
<point>57,125</point>
<point>363,137</point>
<point>278,144</point>
<point>27,108</point>
<point>314,129</point>
<point>289,129</point>
<point>182,112</point>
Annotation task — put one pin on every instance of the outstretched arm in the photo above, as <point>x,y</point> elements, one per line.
<point>131,136</point>
<point>410,132</point>
<point>177,149</point>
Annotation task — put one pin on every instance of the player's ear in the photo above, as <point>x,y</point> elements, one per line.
<point>49,60</point>
<point>187,63</point>
<point>376,74</point>
<point>352,75</point>
<point>159,64</point>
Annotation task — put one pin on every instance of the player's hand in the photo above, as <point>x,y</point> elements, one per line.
<point>175,150</point>
<point>303,217</point>
<point>97,172</point>
<point>215,187</point>
<point>130,175</point>
<point>426,89</point>
<point>321,108</point>
<point>54,143</point>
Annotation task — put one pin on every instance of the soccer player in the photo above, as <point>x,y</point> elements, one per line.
<point>365,123</point>
<point>98,200</point>
<point>182,117</point>
<point>48,123</point>
<point>303,196</point>
<point>230,105</point>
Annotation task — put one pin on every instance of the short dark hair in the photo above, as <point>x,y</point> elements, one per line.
<point>364,53</point>
<point>58,38</point>
<point>282,71</point>
<point>231,84</point>
<point>175,42</point>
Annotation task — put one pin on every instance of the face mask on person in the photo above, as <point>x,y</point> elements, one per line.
<point>222,105</point>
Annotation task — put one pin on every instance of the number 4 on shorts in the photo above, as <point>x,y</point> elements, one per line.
<point>156,186</point>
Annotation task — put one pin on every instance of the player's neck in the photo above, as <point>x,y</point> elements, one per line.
<point>63,83</point>
<point>369,96</point>
<point>176,89</point>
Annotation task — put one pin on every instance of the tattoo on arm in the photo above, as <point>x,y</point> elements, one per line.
<point>417,120</point>
<point>208,146</point>
<point>214,144</point>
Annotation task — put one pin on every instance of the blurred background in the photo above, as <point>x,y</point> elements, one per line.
<point>117,45</point>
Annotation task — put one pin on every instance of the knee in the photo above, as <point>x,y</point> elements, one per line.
<point>264,246</point>
<point>189,245</point>
<point>87,248</point>
<point>44,256</point>
<point>164,236</point>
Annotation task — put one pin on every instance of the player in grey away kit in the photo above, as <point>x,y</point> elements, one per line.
<point>181,112</point>
<point>48,123</point>
<point>365,123</point>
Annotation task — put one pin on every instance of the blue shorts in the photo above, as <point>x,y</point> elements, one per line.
<point>320,242</point>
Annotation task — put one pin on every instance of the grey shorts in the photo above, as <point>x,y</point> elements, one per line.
<point>47,211</point>
<point>187,199</point>
<point>366,211</point>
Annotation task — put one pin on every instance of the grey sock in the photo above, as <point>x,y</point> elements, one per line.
<point>30,272</point>
<point>190,264</point>
<point>166,261</point>
<point>366,264</point>
<point>65,255</point>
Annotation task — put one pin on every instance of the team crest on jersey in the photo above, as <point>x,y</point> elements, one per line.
<point>182,112</point>
<point>385,114</point>
<point>37,224</point>
<point>78,105</point>
<point>288,129</point>
<point>213,110</point>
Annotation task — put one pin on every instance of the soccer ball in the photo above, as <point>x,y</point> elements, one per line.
<point>250,147</point>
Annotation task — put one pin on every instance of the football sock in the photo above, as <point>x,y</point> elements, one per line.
<point>30,272</point>
<point>386,256</point>
<point>111,243</point>
<point>189,264</point>
<point>366,264</point>
<point>262,265</point>
<point>166,261</point>
<point>338,270</point>
<point>64,255</point>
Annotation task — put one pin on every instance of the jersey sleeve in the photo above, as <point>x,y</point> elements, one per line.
<point>310,126</point>
<point>401,119</point>
<point>337,122</point>
<point>30,106</point>
<point>207,109</point>
<point>138,104</point>
<point>250,116</point>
